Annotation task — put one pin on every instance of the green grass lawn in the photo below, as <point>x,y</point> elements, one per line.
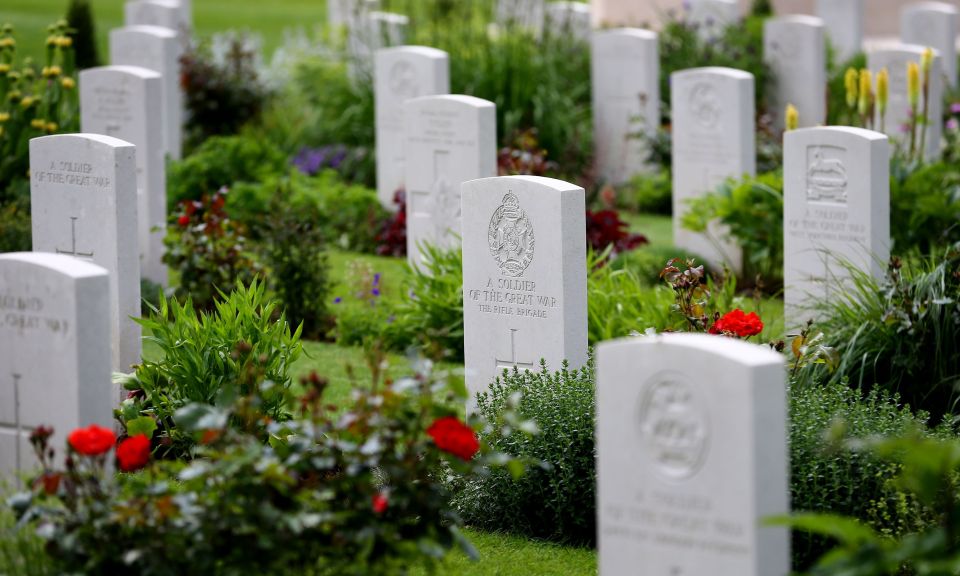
<point>271,20</point>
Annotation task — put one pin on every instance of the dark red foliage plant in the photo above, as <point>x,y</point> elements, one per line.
<point>392,239</point>
<point>605,228</point>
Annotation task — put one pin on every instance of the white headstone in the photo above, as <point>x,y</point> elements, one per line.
<point>369,33</point>
<point>54,352</point>
<point>933,24</point>
<point>836,212</point>
<point>795,49</point>
<point>528,14</point>
<point>569,18</point>
<point>83,195</point>
<point>713,114</point>
<point>343,12</point>
<point>400,74</point>
<point>691,457</point>
<point>448,140</point>
<point>712,17</point>
<point>896,123</point>
<point>524,276</point>
<point>844,22</point>
<point>164,13</point>
<point>126,102</point>
<point>158,49</point>
<point>625,75</point>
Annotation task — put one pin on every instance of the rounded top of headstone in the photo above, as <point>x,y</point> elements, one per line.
<point>739,351</point>
<point>390,17</point>
<point>796,19</point>
<point>60,263</point>
<point>827,134</point>
<point>734,73</point>
<point>138,71</point>
<point>530,181</point>
<point>418,51</point>
<point>901,48</point>
<point>573,6</point>
<point>943,7</point>
<point>165,3</point>
<point>144,30</point>
<point>60,139</point>
<point>640,33</point>
<point>455,99</point>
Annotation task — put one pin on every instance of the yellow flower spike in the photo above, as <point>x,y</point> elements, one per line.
<point>52,71</point>
<point>66,41</point>
<point>913,84</point>
<point>4,68</point>
<point>38,123</point>
<point>27,101</point>
<point>4,116</point>
<point>7,43</point>
<point>68,83</point>
<point>792,117</point>
<point>51,127</point>
<point>926,60</point>
<point>866,92</point>
<point>51,40</point>
<point>850,82</point>
<point>883,90</point>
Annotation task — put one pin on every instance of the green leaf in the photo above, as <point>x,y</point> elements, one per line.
<point>144,425</point>
<point>198,417</point>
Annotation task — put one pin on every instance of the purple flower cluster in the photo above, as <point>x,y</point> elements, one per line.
<point>310,161</point>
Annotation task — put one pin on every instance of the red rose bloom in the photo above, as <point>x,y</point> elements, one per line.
<point>736,322</point>
<point>183,221</point>
<point>380,503</point>
<point>133,453</point>
<point>453,436</point>
<point>92,441</point>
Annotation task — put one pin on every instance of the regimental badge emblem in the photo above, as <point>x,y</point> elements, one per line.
<point>511,237</point>
<point>403,79</point>
<point>705,105</point>
<point>673,424</point>
<point>827,174</point>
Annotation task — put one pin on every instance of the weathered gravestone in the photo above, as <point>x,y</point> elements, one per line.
<point>370,32</point>
<point>692,456</point>
<point>528,14</point>
<point>712,17</point>
<point>844,23</point>
<point>897,120</point>
<point>158,49</point>
<point>713,115</point>
<point>795,49</point>
<point>524,276</point>
<point>164,13</point>
<point>625,75</point>
<point>126,102</point>
<point>448,140</point>
<point>54,351</point>
<point>401,73</point>
<point>83,195</point>
<point>569,18</point>
<point>836,212</point>
<point>933,24</point>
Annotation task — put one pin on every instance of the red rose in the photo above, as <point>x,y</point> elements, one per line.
<point>380,503</point>
<point>50,482</point>
<point>183,221</point>
<point>736,322</point>
<point>453,436</point>
<point>133,453</point>
<point>92,441</point>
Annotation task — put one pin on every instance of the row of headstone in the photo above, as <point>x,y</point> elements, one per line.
<point>687,466</point>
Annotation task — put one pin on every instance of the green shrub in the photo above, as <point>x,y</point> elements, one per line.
<point>222,161</point>
<point>752,211</point>
<point>900,333</point>
<point>293,246</point>
<point>648,193</point>
<point>15,226</point>
<point>554,501</point>
<point>349,215</point>
<point>83,31</point>
<point>925,205</point>
<point>22,551</point>
<point>199,363</point>
<point>207,250</point>
<point>856,484</point>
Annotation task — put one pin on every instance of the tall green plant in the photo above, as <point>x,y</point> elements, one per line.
<point>198,362</point>
<point>83,31</point>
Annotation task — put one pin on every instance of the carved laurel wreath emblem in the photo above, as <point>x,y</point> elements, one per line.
<point>510,237</point>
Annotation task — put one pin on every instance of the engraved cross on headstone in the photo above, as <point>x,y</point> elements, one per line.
<point>512,362</point>
<point>73,242</point>
<point>423,202</point>
<point>16,425</point>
